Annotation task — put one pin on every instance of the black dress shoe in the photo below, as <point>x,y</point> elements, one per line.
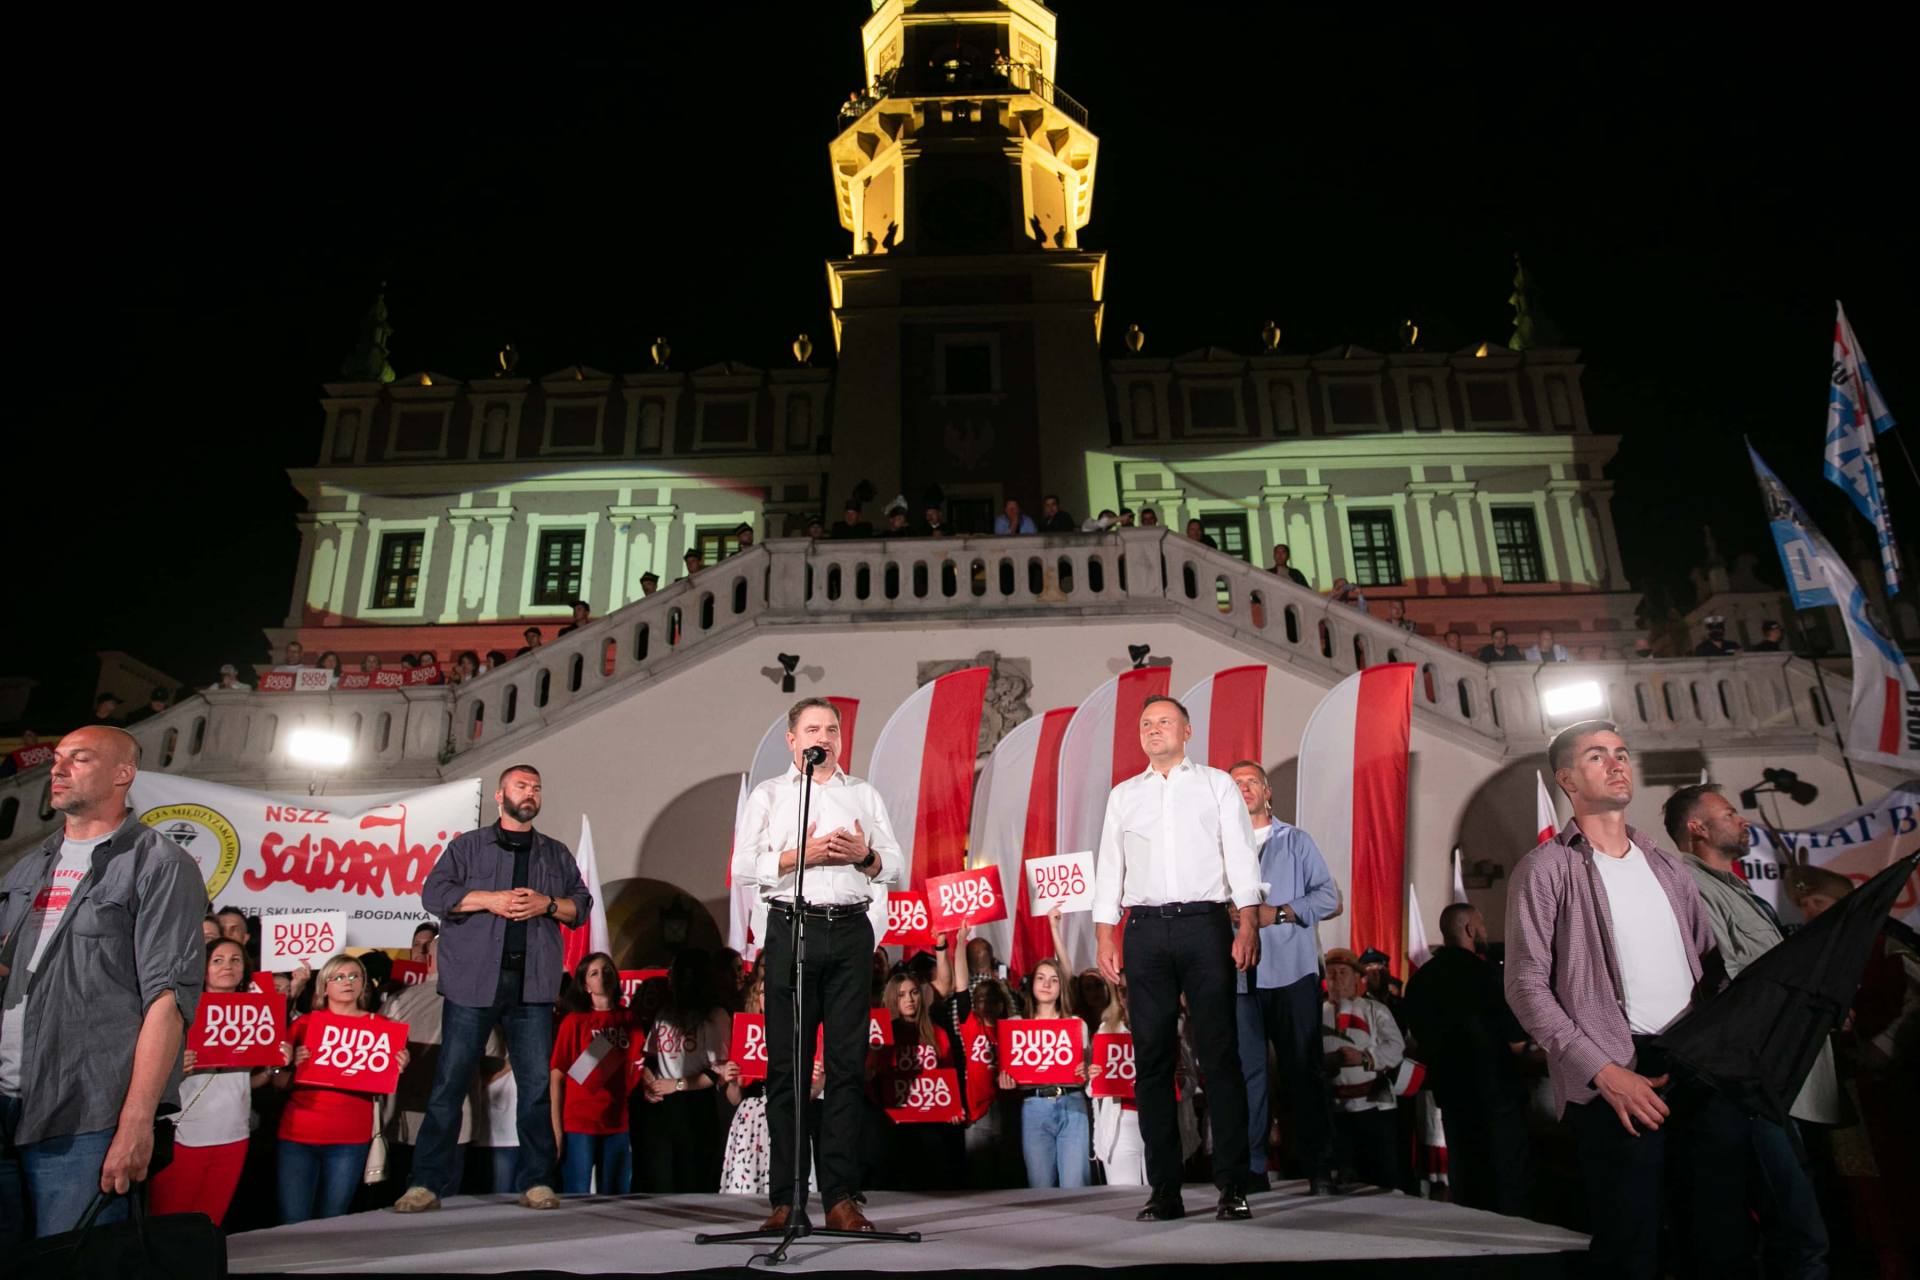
<point>1162,1209</point>
<point>1233,1206</point>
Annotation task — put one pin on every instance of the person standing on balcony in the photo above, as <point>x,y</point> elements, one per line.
<point>1607,944</point>
<point>1716,645</point>
<point>1012,520</point>
<point>1345,592</point>
<point>850,525</point>
<point>1397,616</point>
<point>1545,650</point>
<point>1500,650</point>
<point>1176,849</point>
<point>582,615</point>
<point>502,895</point>
<point>533,638</point>
<point>1770,638</point>
<point>1283,565</point>
<point>852,858</point>
<point>1052,518</point>
<point>1198,532</point>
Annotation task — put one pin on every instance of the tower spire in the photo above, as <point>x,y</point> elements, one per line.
<point>367,362</point>
<point>1531,327</point>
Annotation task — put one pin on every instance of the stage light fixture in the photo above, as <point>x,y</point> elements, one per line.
<point>1569,701</point>
<point>1139,654</point>
<point>319,748</point>
<point>788,662</point>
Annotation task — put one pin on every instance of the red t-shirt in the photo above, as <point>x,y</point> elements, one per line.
<point>322,1116</point>
<point>982,1076</point>
<point>599,1104</point>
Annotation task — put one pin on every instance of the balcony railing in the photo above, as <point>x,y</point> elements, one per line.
<point>960,79</point>
<point>413,735</point>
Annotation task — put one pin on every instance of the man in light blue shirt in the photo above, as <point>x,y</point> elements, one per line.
<point>1010,520</point>
<point>1279,1001</point>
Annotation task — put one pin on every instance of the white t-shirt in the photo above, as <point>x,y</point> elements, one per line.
<point>495,1104</point>
<point>39,925</point>
<point>1647,940</point>
<point>677,1055</point>
<point>215,1107</point>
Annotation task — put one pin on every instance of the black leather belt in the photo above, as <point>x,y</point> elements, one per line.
<point>1170,910</point>
<point>1049,1090</point>
<point>822,911</point>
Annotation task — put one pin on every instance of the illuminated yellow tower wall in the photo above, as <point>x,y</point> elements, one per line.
<point>967,318</point>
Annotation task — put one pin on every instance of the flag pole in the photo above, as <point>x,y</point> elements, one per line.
<point>1820,679</point>
<point>1908,455</point>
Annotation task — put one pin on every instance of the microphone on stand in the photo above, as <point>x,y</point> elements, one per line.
<point>814,756</point>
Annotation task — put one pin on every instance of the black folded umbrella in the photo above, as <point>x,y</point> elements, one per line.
<point>1757,1039</point>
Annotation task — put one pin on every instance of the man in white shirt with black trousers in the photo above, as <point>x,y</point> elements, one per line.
<point>1176,849</point>
<point>852,859</point>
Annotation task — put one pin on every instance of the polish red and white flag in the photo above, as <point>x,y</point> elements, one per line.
<point>746,919</point>
<point>1101,748</point>
<point>1353,798</point>
<point>923,770</point>
<point>1015,809</point>
<point>1545,820</point>
<point>1227,712</point>
<point>577,944</point>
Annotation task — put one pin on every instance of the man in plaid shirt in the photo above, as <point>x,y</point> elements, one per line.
<point>1607,944</point>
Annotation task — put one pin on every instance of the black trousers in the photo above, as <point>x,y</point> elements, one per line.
<point>1288,1018</point>
<point>1693,1166</point>
<point>839,975</point>
<point>1487,1153</point>
<point>1366,1143</point>
<point>1167,957</point>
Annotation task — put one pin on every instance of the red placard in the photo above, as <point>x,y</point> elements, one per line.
<point>1041,1050</point>
<point>908,924</point>
<point>932,1097</point>
<point>1113,1056</point>
<point>424,675</point>
<point>263,983</point>
<point>965,897</point>
<point>361,1054</point>
<point>630,980</point>
<point>749,1047</point>
<point>31,757</point>
<point>238,1029</point>
<point>409,973</point>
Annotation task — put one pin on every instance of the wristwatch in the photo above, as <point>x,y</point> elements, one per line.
<point>866,864</point>
<point>680,1085</point>
<point>553,905</point>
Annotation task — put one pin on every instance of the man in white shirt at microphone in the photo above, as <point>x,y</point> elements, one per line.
<point>852,858</point>
<point>1176,849</point>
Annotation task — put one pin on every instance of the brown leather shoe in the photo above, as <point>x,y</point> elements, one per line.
<point>780,1217</point>
<point>846,1216</point>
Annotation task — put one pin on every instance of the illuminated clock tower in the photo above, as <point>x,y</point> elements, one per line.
<point>967,317</point>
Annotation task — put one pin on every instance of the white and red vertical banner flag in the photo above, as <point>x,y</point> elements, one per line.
<point>1459,876</point>
<point>273,855</point>
<point>1100,748</point>
<point>1419,950</point>
<point>746,918</point>
<point>1353,798</point>
<point>577,944</point>
<point>1014,820</point>
<point>1227,712</point>
<point>923,770</point>
<point>1856,414</point>
<point>1546,820</point>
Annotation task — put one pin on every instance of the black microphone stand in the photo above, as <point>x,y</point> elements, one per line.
<point>797,1224</point>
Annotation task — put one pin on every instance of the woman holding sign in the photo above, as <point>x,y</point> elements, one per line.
<point>1055,1124</point>
<point>922,1154</point>
<point>216,1104</point>
<point>325,1131</point>
<point>589,1076</point>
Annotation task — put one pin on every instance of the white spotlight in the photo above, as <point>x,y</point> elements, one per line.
<point>1568,700</point>
<point>319,747</point>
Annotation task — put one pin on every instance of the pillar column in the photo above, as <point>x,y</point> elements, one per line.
<point>457,521</point>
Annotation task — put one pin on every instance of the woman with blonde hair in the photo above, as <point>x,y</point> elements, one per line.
<point>325,1132</point>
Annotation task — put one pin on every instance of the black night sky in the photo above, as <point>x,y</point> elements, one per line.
<point>207,213</point>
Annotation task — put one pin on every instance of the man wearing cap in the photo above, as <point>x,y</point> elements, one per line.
<point>1769,637</point>
<point>850,525</point>
<point>533,637</point>
<point>743,537</point>
<point>1176,850</point>
<point>1363,1047</point>
<point>649,583</point>
<point>694,561</point>
<point>582,615</point>
<point>1716,645</point>
<point>229,678</point>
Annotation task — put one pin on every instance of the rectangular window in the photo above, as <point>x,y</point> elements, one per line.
<point>398,586</point>
<point>1228,531</point>
<point>1516,537</point>
<point>1376,555</point>
<point>717,544</point>
<point>558,568</point>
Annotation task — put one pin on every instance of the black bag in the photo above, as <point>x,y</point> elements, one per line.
<point>177,1246</point>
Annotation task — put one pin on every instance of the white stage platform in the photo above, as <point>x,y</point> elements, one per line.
<point>1091,1228</point>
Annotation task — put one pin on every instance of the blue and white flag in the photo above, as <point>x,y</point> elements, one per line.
<point>1883,724</point>
<point>1855,415</point>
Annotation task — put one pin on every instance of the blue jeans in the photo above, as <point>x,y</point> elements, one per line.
<point>611,1154</point>
<point>1793,1237</point>
<point>490,1169</point>
<point>317,1180</point>
<point>463,1036</point>
<point>1056,1136</point>
<point>45,1186</point>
